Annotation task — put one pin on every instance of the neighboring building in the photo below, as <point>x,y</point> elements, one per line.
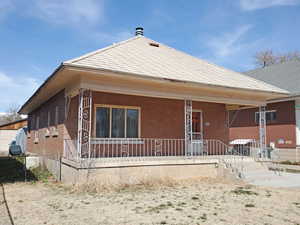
<point>8,133</point>
<point>282,115</point>
<point>137,98</point>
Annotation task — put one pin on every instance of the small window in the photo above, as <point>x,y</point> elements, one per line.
<point>270,116</point>
<point>49,119</point>
<point>32,122</point>
<point>56,115</point>
<point>117,122</point>
<point>37,122</point>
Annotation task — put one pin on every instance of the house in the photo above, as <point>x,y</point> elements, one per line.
<point>137,100</point>
<point>8,133</point>
<point>282,114</point>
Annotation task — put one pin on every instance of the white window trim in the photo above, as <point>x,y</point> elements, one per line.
<point>110,118</point>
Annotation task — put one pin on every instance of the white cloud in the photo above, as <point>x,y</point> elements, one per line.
<point>261,4</point>
<point>68,12</point>
<point>233,49</point>
<point>15,90</point>
<point>228,43</point>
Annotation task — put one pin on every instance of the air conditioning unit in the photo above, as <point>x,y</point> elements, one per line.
<point>36,137</point>
<point>47,133</point>
<point>54,132</point>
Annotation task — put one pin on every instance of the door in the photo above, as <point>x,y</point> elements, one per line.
<point>197,132</point>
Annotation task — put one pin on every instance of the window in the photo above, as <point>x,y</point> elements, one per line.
<point>270,116</point>
<point>117,122</point>
<point>37,123</point>
<point>32,122</point>
<point>56,115</point>
<point>49,119</point>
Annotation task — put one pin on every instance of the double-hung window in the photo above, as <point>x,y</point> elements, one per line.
<point>270,116</point>
<point>117,122</point>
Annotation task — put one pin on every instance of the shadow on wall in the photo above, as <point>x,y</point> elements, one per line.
<point>12,170</point>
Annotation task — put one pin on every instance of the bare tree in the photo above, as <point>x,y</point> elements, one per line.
<point>10,115</point>
<point>267,57</point>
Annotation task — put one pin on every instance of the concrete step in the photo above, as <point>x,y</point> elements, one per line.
<point>257,173</point>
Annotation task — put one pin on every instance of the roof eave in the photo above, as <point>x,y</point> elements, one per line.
<point>283,94</point>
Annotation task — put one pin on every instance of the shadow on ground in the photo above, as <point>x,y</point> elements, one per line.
<point>12,170</point>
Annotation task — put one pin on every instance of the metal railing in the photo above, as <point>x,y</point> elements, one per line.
<point>140,149</point>
<point>145,148</point>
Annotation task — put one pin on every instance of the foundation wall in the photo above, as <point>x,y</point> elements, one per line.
<point>137,174</point>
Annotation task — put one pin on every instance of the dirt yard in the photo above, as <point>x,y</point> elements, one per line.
<point>202,202</point>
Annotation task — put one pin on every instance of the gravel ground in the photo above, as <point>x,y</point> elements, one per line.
<point>201,202</point>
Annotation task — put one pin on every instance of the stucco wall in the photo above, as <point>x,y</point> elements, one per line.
<point>6,137</point>
<point>121,175</point>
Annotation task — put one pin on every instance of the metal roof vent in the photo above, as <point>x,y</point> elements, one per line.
<point>139,31</point>
<point>154,44</point>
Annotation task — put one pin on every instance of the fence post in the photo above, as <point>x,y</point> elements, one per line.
<point>60,168</point>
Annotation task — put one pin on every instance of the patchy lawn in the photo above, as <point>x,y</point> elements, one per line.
<point>201,202</point>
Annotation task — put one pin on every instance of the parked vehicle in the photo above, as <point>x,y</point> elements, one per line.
<point>18,146</point>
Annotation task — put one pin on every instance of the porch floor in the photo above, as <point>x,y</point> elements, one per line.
<point>152,161</point>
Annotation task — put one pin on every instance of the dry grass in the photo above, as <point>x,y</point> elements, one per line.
<point>96,186</point>
<point>204,201</point>
<point>145,184</point>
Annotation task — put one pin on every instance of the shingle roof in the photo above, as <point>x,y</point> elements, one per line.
<point>136,56</point>
<point>285,75</point>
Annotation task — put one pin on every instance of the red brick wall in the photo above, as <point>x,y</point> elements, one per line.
<point>50,146</point>
<point>214,120</point>
<point>244,125</point>
<point>71,122</point>
<point>160,118</point>
<point>164,118</point>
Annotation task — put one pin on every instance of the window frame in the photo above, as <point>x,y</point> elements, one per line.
<point>110,119</point>
<point>267,122</point>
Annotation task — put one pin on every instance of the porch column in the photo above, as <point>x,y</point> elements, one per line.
<point>188,108</point>
<point>262,130</point>
<point>84,123</point>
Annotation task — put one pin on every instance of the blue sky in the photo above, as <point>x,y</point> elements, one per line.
<point>37,35</point>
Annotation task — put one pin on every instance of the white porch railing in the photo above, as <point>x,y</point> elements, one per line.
<point>142,149</point>
<point>146,147</point>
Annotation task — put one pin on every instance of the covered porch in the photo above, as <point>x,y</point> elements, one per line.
<point>123,127</point>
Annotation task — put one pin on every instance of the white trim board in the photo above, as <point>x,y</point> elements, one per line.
<point>157,94</point>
